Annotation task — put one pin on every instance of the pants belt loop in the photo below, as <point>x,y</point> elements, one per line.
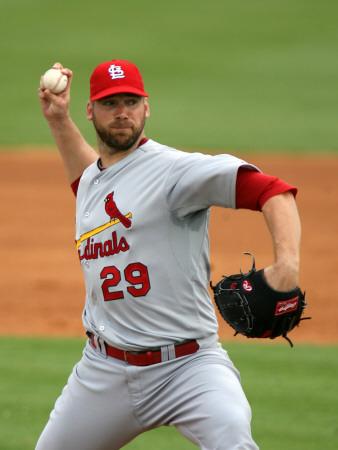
<point>168,352</point>
<point>103,348</point>
<point>171,352</point>
<point>165,353</point>
<point>100,345</point>
<point>95,341</point>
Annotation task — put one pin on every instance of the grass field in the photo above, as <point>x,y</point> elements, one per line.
<point>247,75</point>
<point>293,393</point>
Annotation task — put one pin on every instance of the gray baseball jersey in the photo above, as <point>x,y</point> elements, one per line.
<point>141,235</point>
<point>143,244</point>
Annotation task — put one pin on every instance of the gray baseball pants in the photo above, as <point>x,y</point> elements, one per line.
<point>107,403</point>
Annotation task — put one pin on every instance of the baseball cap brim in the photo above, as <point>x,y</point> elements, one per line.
<point>119,90</point>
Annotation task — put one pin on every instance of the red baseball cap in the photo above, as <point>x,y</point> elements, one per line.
<point>117,76</point>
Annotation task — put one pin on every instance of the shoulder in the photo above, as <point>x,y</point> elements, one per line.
<point>181,157</point>
<point>90,172</point>
<point>153,148</point>
<point>178,162</point>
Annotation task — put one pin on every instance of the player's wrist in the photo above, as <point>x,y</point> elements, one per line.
<point>59,120</point>
<point>283,275</point>
<point>288,263</point>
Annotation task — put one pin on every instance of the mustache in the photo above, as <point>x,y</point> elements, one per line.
<point>119,124</point>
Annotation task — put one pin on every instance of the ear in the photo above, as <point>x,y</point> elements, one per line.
<point>147,107</point>
<point>90,110</point>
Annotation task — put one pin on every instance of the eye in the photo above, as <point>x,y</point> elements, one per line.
<point>132,101</point>
<point>108,102</point>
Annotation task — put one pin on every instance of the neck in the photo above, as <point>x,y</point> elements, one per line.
<point>110,156</point>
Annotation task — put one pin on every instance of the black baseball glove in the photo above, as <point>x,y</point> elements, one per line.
<point>252,308</point>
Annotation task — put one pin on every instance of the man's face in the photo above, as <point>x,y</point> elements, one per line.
<point>119,119</point>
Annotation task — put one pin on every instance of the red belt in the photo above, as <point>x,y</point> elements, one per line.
<point>145,358</point>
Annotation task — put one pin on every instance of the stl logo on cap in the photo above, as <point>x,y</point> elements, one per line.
<point>116,72</point>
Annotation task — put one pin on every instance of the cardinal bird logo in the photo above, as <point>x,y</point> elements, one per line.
<point>113,211</point>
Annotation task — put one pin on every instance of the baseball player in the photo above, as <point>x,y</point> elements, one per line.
<point>152,356</point>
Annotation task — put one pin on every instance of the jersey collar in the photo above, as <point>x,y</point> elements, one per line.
<point>99,162</point>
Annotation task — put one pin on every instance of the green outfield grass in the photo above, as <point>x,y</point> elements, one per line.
<point>222,75</point>
<point>293,393</point>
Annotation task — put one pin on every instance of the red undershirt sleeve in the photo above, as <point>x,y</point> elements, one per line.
<point>75,185</point>
<point>253,188</point>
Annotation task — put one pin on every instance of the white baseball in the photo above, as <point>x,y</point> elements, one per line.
<point>54,80</point>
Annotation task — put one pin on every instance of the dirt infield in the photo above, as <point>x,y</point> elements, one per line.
<point>41,284</point>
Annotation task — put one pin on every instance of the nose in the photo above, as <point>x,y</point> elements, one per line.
<point>121,111</point>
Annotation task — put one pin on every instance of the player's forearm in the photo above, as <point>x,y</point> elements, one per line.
<point>281,215</point>
<point>76,153</point>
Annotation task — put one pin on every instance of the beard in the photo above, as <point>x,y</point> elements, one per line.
<point>117,139</point>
